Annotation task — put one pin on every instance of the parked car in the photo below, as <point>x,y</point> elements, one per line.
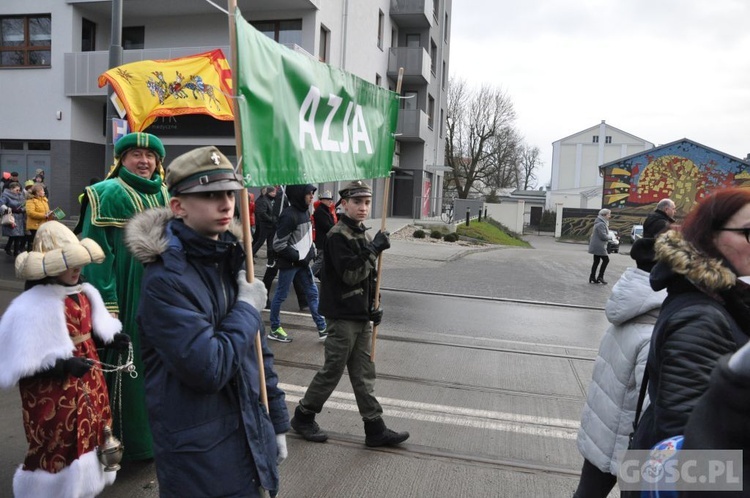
<point>636,232</point>
<point>613,244</point>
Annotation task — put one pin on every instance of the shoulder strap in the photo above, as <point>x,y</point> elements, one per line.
<point>641,399</point>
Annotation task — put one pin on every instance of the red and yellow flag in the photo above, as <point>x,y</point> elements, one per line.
<point>197,84</point>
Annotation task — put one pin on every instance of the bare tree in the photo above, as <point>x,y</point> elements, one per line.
<point>504,160</point>
<point>529,162</point>
<point>476,122</point>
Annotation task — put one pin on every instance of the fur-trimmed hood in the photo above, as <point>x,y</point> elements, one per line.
<point>146,233</point>
<point>34,334</point>
<point>676,256</point>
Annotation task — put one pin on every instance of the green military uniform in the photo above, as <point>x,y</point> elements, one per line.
<point>106,208</point>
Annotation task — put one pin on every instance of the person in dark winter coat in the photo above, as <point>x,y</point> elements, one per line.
<point>294,251</point>
<point>660,220</point>
<point>13,200</point>
<point>348,302</point>
<point>266,221</point>
<point>706,313</point>
<point>198,318</point>
<point>598,246</point>
<point>720,418</point>
<point>324,217</point>
<point>607,419</point>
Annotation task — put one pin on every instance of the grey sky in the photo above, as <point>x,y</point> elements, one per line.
<point>659,69</point>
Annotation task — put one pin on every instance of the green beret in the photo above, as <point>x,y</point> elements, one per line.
<point>204,169</point>
<point>356,188</point>
<point>140,140</point>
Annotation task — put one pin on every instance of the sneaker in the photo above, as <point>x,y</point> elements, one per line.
<point>279,335</point>
<point>322,334</point>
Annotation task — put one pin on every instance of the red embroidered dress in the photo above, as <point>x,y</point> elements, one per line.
<point>65,418</point>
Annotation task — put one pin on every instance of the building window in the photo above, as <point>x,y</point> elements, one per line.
<point>433,55</point>
<point>409,102</point>
<point>381,27</point>
<point>394,38</point>
<point>430,112</point>
<point>286,32</point>
<point>445,28</point>
<point>325,35</point>
<point>88,36</point>
<point>596,139</point>
<point>378,79</point>
<point>444,75</point>
<point>25,40</point>
<point>134,38</point>
<point>412,40</point>
<point>607,140</point>
<point>442,123</point>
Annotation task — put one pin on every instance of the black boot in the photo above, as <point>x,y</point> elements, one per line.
<point>592,279</point>
<point>305,425</point>
<point>377,434</point>
<point>601,280</point>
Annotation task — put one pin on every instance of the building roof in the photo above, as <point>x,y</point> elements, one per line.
<point>596,128</point>
<point>670,144</point>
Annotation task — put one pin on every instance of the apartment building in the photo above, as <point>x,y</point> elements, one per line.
<point>54,114</point>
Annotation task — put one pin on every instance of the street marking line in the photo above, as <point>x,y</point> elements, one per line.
<point>451,415</point>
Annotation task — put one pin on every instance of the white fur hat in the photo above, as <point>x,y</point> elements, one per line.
<point>56,249</point>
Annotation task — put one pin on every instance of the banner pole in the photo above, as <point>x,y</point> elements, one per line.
<point>386,193</point>
<point>247,235</point>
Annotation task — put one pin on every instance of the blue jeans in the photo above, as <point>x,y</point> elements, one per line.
<point>286,276</point>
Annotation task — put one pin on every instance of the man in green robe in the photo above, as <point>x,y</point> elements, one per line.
<point>134,185</point>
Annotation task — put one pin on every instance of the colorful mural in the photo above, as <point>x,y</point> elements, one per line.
<point>684,171</point>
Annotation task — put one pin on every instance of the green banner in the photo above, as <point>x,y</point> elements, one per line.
<point>303,121</point>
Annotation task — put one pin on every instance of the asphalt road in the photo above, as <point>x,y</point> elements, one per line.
<point>485,359</point>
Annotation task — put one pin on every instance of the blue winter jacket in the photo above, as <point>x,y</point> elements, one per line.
<point>212,436</point>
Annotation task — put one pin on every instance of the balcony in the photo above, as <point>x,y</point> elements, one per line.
<point>82,69</point>
<point>412,126</point>
<point>412,13</point>
<point>415,61</point>
<point>165,8</point>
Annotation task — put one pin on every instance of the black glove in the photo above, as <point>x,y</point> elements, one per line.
<point>75,366</point>
<point>380,242</point>
<point>120,343</point>
<point>376,315</point>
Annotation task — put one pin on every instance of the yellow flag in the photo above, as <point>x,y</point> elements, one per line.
<point>198,84</point>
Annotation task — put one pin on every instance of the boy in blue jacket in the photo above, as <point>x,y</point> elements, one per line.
<point>198,318</point>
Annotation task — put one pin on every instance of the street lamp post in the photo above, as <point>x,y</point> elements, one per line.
<point>115,59</point>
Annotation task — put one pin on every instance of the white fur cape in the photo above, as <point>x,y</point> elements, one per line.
<point>84,478</point>
<point>34,335</point>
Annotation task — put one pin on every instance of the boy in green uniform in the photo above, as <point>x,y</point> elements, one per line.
<point>347,297</point>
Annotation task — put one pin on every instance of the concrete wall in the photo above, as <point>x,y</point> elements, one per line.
<point>510,214</point>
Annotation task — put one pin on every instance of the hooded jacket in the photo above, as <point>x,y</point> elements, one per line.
<point>709,320</point>
<point>212,435</point>
<point>607,418</point>
<point>293,242</point>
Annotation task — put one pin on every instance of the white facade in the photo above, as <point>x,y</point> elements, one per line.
<point>576,160</point>
<point>57,122</point>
